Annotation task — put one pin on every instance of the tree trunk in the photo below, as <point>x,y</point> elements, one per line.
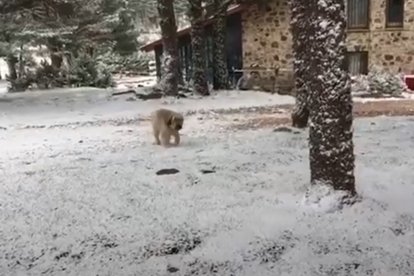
<point>11,64</point>
<point>21,63</point>
<point>221,74</point>
<point>169,80</point>
<point>330,103</point>
<point>300,21</point>
<point>198,48</point>
<point>56,58</point>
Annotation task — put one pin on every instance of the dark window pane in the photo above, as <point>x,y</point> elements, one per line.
<point>395,12</point>
<point>358,13</point>
<point>357,62</point>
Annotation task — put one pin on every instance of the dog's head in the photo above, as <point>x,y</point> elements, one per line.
<point>176,122</point>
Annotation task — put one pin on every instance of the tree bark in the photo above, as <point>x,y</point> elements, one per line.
<point>21,63</point>
<point>221,74</point>
<point>169,80</point>
<point>11,64</point>
<point>56,58</point>
<point>330,103</point>
<point>300,21</point>
<point>198,48</point>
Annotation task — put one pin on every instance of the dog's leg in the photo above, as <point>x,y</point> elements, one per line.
<point>165,139</point>
<point>176,138</point>
<point>157,137</point>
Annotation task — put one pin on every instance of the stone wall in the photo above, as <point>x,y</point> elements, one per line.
<point>267,40</point>
<point>389,48</point>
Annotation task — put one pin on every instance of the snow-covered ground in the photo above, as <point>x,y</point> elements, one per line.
<point>123,82</point>
<point>92,105</point>
<point>3,87</point>
<point>84,199</point>
<point>404,96</point>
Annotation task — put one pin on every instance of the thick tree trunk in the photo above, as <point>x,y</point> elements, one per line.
<point>56,58</point>
<point>56,55</point>
<point>169,80</point>
<point>221,75</point>
<point>198,48</point>
<point>11,64</point>
<point>330,103</point>
<point>300,21</point>
<point>180,75</point>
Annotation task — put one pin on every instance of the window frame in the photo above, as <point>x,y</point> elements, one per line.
<point>364,61</point>
<point>368,17</point>
<point>389,24</point>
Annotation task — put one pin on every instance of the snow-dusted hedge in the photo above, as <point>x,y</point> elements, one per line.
<point>87,71</point>
<point>378,83</point>
<point>137,63</point>
<point>83,71</point>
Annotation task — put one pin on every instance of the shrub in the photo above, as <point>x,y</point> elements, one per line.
<point>378,83</point>
<point>19,84</point>
<point>86,71</point>
<point>46,76</point>
<point>136,63</point>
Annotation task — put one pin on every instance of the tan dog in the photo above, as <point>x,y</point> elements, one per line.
<point>166,123</point>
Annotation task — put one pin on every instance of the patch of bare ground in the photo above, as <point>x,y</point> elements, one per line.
<point>265,118</point>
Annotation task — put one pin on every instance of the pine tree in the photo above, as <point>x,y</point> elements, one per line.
<point>330,103</point>
<point>67,28</point>
<point>198,48</point>
<point>170,78</point>
<point>124,33</point>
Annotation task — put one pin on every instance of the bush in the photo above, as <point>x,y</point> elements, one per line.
<point>378,83</point>
<point>85,71</point>
<point>136,63</point>
<point>46,76</point>
<point>19,84</point>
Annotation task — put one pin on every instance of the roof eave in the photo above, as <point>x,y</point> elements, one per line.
<point>151,46</point>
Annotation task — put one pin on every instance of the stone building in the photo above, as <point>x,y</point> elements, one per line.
<point>380,33</point>
<point>233,41</point>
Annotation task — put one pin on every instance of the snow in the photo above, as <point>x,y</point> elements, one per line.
<point>3,87</point>
<point>80,106</point>
<point>324,24</point>
<point>404,96</point>
<point>124,83</point>
<point>85,200</point>
<point>3,69</point>
<point>92,105</point>
<point>322,3</point>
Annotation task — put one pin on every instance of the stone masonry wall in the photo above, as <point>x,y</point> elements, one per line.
<point>389,48</point>
<point>267,41</point>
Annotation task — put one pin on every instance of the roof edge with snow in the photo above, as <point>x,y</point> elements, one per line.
<point>151,46</point>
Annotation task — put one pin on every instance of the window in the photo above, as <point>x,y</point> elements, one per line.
<point>395,13</point>
<point>358,14</point>
<point>357,63</point>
